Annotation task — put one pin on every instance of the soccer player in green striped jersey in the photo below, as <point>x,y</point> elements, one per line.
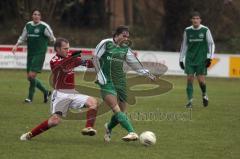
<point>37,34</point>
<point>197,50</point>
<point>109,56</point>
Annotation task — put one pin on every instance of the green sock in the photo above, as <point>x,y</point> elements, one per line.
<point>40,86</point>
<point>114,122</point>
<point>124,121</point>
<point>31,88</point>
<point>189,91</point>
<point>203,88</point>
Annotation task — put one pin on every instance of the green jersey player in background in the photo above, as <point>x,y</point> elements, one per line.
<point>37,34</point>
<point>109,56</point>
<point>197,49</point>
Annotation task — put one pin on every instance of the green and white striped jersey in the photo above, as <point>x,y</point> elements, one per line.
<point>37,36</point>
<point>197,45</point>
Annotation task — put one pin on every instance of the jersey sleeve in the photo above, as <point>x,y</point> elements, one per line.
<point>211,45</point>
<point>135,64</point>
<point>49,33</point>
<point>66,63</point>
<point>23,36</point>
<point>99,51</point>
<point>184,47</point>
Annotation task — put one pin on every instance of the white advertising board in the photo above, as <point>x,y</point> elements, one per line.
<point>222,64</point>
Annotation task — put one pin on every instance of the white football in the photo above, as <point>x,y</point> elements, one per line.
<point>147,138</point>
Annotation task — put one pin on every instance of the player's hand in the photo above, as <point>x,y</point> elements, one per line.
<point>152,77</point>
<point>88,63</point>
<point>135,53</point>
<point>181,64</point>
<point>208,62</point>
<point>76,53</point>
<point>14,49</point>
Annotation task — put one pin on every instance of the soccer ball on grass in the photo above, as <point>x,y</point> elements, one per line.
<point>147,138</point>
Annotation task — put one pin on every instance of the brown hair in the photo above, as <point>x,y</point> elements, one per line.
<point>58,43</point>
<point>35,9</point>
<point>120,29</point>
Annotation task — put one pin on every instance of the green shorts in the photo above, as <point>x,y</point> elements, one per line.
<point>198,70</point>
<point>35,63</point>
<point>116,90</point>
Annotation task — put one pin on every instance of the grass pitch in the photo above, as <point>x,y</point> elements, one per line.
<point>211,132</point>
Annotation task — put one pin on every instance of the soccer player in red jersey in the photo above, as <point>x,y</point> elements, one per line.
<point>64,95</point>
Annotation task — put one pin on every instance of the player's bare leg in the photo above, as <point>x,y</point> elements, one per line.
<point>91,117</point>
<point>202,84</point>
<point>189,90</point>
<point>53,121</point>
<point>123,106</point>
<point>111,101</point>
<point>118,117</point>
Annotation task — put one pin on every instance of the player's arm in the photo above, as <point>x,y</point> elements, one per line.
<point>136,65</point>
<point>49,33</point>
<point>76,57</point>
<point>211,48</point>
<point>66,63</point>
<point>21,39</point>
<point>99,51</point>
<point>183,50</point>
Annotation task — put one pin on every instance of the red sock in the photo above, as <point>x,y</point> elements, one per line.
<point>91,117</point>
<point>40,128</point>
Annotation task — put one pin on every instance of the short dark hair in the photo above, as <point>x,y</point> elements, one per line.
<point>35,9</point>
<point>58,43</point>
<point>120,29</point>
<point>195,14</point>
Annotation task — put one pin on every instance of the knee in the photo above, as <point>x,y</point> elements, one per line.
<point>31,76</point>
<point>201,83</point>
<point>92,103</point>
<point>190,79</point>
<point>54,121</point>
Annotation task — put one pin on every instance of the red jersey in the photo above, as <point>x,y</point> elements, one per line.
<point>63,71</point>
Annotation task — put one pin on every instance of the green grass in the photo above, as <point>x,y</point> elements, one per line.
<point>211,132</point>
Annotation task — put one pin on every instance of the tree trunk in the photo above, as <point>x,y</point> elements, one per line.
<point>117,13</point>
